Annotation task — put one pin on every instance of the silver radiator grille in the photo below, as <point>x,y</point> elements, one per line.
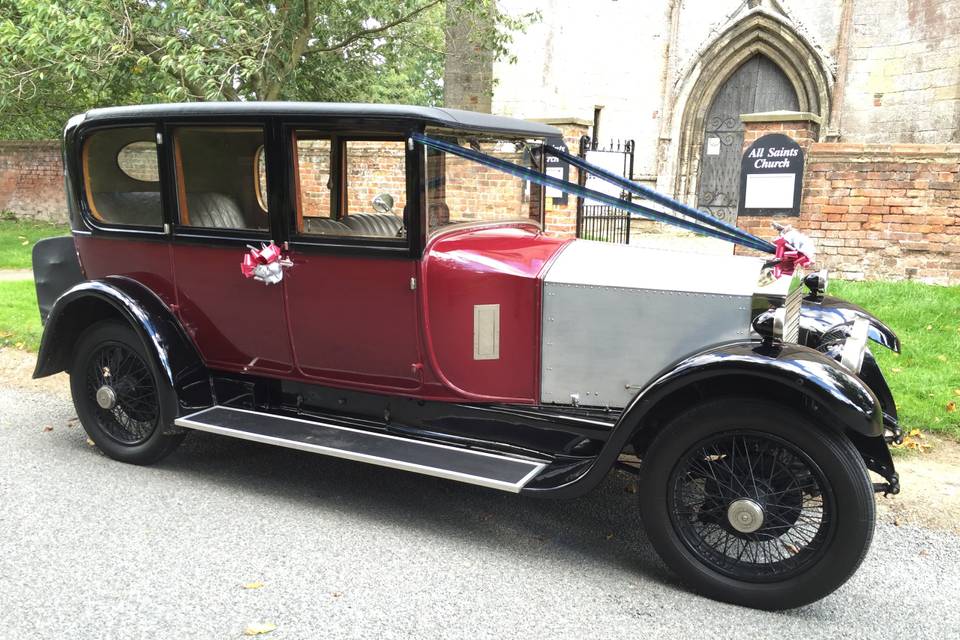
<point>791,319</point>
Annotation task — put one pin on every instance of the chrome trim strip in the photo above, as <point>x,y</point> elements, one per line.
<point>191,421</point>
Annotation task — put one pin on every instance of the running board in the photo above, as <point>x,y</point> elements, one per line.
<point>492,470</point>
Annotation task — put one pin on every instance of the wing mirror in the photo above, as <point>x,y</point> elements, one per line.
<point>383,203</point>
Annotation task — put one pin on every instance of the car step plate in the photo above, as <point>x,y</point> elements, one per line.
<point>455,463</point>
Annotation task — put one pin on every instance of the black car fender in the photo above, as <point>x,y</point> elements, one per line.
<point>832,318</point>
<point>174,353</point>
<point>840,399</point>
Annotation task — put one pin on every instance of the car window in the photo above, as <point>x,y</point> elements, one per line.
<point>460,190</point>
<point>366,202</point>
<point>120,177</point>
<point>217,178</point>
<point>314,186</point>
<point>261,171</point>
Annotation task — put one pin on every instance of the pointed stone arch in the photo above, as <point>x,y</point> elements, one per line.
<point>759,32</point>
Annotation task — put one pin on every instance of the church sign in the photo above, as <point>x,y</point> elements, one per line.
<point>556,168</point>
<point>771,177</point>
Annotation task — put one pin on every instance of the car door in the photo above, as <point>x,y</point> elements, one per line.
<point>351,292</point>
<point>238,324</point>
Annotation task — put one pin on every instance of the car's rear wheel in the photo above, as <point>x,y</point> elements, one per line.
<point>754,504</point>
<point>124,404</point>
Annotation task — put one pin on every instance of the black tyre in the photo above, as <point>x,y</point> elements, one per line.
<point>755,504</point>
<point>124,404</point>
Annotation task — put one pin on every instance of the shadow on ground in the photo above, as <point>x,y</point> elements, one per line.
<point>603,526</point>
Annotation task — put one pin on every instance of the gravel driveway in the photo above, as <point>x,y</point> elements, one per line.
<point>91,548</point>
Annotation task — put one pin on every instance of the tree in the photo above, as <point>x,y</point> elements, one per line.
<point>62,56</point>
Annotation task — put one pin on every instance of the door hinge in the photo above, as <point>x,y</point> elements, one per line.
<point>413,284</point>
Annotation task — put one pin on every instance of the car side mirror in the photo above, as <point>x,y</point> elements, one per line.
<point>383,203</point>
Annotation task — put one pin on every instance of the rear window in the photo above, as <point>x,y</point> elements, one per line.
<point>121,178</point>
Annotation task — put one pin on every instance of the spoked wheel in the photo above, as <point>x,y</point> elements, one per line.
<point>124,405</point>
<point>754,504</point>
<point>121,385</point>
<point>751,505</point>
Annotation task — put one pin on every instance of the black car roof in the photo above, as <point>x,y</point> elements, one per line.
<point>430,116</point>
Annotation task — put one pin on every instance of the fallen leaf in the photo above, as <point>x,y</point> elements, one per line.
<point>47,428</point>
<point>896,369</point>
<point>253,585</point>
<point>914,441</point>
<point>929,327</point>
<point>24,243</point>
<point>792,548</point>
<point>896,522</point>
<point>336,594</point>
<point>924,552</point>
<point>956,392</point>
<point>258,628</point>
<point>91,443</point>
<point>951,407</point>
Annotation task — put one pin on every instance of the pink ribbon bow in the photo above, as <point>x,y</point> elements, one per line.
<point>253,258</point>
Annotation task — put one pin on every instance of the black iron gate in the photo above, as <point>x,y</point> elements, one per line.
<point>600,221</point>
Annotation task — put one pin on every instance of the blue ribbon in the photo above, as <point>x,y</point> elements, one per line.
<point>659,198</point>
<point>740,237</point>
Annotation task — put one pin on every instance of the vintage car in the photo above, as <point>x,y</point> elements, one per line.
<point>406,309</point>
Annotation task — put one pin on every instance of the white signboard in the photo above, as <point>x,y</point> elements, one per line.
<point>554,172</point>
<point>769,190</point>
<point>613,162</point>
<point>713,146</point>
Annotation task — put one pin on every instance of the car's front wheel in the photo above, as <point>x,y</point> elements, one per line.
<point>754,504</point>
<point>123,402</point>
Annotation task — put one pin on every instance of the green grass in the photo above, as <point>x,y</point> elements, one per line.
<point>925,377</point>
<point>17,238</point>
<point>19,317</point>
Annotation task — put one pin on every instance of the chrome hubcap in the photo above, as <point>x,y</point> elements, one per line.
<point>745,515</point>
<point>106,397</point>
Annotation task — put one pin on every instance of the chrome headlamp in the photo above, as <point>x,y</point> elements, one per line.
<point>816,282</point>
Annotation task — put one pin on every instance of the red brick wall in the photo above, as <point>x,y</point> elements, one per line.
<point>472,192</point>
<point>561,220</point>
<point>881,211</point>
<point>31,180</point>
<point>374,168</point>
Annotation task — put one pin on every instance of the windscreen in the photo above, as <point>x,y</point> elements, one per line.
<point>463,191</point>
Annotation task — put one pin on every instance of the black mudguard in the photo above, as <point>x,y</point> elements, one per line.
<point>844,401</point>
<point>90,301</point>
<point>827,316</point>
<point>56,268</point>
